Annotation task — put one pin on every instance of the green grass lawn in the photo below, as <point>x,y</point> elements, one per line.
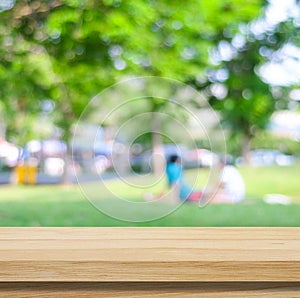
<point>67,206</point>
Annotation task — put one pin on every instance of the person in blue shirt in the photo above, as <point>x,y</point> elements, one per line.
<point>176,180</point>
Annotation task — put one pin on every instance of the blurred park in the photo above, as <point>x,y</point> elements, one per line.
<point>96,96</point>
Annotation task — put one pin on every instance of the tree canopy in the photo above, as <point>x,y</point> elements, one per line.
<point>67,51</point>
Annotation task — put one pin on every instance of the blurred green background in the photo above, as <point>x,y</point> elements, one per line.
<point>56,55</point>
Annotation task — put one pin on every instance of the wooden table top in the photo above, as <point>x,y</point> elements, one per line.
<point>149,254</point>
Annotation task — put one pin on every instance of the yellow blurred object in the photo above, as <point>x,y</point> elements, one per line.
<point>31,174</point>
<point>26,174</point>
<point>20,174</point>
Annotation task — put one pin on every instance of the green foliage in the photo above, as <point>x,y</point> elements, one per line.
<point>246,102</point>
<point>69,50</point>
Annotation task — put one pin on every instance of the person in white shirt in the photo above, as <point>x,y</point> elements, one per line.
<point>231,187</point>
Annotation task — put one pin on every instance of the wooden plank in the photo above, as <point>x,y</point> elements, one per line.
<point>149,254</point>
<point>159,233</point>
<point>160,289</point>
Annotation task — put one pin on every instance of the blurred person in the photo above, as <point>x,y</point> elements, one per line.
<point>174,172</point>
<point>232,186</point>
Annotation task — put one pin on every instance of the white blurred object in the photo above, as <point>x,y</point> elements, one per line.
<point>233,184</point>
<point>204,157</point>
<point>54,166</point>
<point>101,163</point>
<point>267,157</point>
<point>277,199</point>
<point>34,146</point>
<point>10,152</point>
<point>284,160</point>
<point>54,147</point>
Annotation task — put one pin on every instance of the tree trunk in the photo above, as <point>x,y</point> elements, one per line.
<point>158,158</point>
<point>246,147</point>
<point>2,130</point>
<point>66,176</point>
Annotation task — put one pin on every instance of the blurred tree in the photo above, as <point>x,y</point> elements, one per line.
<point>85,45</point>
<point>245,101</point>
<point>234,82</point>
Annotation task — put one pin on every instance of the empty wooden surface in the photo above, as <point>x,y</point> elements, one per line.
<point>149,254</point>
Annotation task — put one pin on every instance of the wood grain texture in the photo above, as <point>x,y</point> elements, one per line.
<point>144,289</point>
<point>149,254</point>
